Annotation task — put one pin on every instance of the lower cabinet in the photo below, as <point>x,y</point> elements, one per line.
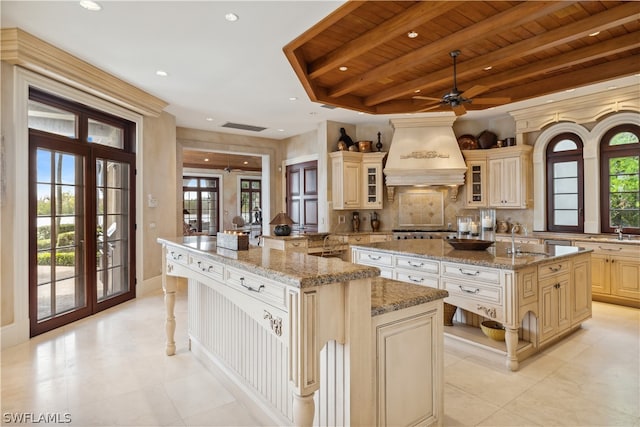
<point>409,384</point>
<point>554,306</point>
<point>615,272</point>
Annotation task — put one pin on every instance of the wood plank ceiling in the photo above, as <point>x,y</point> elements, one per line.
<point>533,48</point>
<point>220,161</point>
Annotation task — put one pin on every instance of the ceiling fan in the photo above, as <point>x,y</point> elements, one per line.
<point>229,169</point>
<point>456,99</point>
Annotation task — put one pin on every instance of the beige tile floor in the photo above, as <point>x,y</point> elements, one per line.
<point>110,370</point>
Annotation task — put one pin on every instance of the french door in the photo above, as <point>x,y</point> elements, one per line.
<point>81,227</point>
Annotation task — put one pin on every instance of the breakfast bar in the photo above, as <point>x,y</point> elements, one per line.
<point>284,325</point>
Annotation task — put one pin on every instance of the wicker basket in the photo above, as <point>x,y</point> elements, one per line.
<point>449,312</point>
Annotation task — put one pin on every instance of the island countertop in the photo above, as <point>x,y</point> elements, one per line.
<point>496,256</point>
<point>291,268</point>
<point>389,295</point>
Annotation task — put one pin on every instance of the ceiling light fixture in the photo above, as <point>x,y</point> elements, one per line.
<point>612,87</point>
<point>90,5</point>
<point>569,90</point>
<point>231,17</point>
<point>594,34</point>
<point>293,98</point>
<point>209,119</point>
<point>161,73</point>
<point>417,91</point>
<point>245,163</point>
<point>487,68</point>
<point>412,34</point>
<point>206,159</point>
<point>549,101</point>
<point>280,130</point>
<point>343,68</point>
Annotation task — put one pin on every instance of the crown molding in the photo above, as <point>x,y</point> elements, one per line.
<point>20,48</point>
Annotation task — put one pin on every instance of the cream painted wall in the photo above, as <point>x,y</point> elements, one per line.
<point>157,159</point>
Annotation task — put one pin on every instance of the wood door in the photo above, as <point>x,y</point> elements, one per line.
<point>302,195</point>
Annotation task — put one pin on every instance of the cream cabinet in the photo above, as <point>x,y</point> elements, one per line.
<point>555,305</point>
<point>615,272</point>
<point>499,177</point>
<point>356,180</point>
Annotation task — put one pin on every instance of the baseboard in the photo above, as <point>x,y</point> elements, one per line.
<point>148,286</point>
<point>15,333</point>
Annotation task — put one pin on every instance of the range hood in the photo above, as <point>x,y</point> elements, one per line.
<point>424,152</point>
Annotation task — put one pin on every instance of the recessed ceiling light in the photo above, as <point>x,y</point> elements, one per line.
<point>231,17</point>
<point>416,91</point>
<point>209,119</point>
<point>412,34</point>
<point>569,90</point>
<point>280,130</point>
<point>90,5</point>
<point>343,68</point>
<point>594,34</point>
<point>549,101</point>
<point>360,112</point>
<point>161,73</point>
<point>245,163</point>
<point>293,98</point>
<point>206,159</point>
<point>612,87</point>
<point>487,68</point>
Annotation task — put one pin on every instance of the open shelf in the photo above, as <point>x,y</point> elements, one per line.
<point>473,335</point>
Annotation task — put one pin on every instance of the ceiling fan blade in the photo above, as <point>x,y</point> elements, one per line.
<point>459,110</point>
<point>433,107</point>
<point>427,98</point>
<point>483,101</point>
<point>476,90</point>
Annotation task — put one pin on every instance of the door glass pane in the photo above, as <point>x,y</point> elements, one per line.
<point>51,119</point>
<point>59,233</point>
<point>112,199</point>
<point>104,134</point>
<point>569,218</point>
<point>565,169</point>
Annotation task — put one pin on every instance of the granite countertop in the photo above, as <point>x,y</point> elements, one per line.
<point>598,238</point>
<point>495,257</point>
<point>389,295</point>
<point>291,268</point>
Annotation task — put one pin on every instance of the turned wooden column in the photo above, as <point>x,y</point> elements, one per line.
<point>169,286</point>
<point>511,339</point>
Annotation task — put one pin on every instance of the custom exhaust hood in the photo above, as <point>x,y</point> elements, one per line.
<point>424,152</point>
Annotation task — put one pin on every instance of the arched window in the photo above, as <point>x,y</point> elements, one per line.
<point>565,198</point>
<point>620,179</point>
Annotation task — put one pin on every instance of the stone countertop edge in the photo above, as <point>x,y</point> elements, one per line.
<point>593,238</point>
<point>439,250</point>
<point>290,268</point>
<point>389,295</point>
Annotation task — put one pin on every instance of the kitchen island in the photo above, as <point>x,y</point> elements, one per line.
<point>286,325</point>
<point>540,294</point>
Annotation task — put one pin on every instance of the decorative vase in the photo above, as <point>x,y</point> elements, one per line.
<point>375,223</point>
<point>379,144</point>
<point>355,222</point>
<point>282,230</point>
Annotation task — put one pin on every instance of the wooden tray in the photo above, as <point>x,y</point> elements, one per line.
<point>470,244</point>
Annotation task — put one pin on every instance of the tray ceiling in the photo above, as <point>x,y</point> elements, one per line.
<point>533,48</point>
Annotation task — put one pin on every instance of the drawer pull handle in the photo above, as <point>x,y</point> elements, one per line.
<point>415,264</point>
<point>610,249</point>
<point>249,287</point>
<point>375,258</point>
<point>475,273</point>
<point>488,311</point>
<point>175,256</point>
<point>555,269</point>
<point>416,280</point>
<point>276,323</point>
<point>201,267</point>
<point>296,244</point>
<point>467,291</point>
<point>210,269</point>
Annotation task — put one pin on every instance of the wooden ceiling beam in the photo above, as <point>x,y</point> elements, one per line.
<point>562,60</point>
<point>412,17</point>
<point>510,18</point>
<point>611,18</point>
<point>585,76</point>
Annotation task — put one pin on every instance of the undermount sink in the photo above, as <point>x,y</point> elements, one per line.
<point>529,253</point>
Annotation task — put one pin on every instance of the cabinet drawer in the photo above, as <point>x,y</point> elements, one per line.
<point>206,267</point>
<point>354,240</point>
<point>296,245</point>
<point>375,259</point>
<point>417,278</point>
<point>177,256</point>
<point>546,270</point>
<point>258,287</point>
<point>471,272</point>
<point>418,264</point>
<point>474,291</point>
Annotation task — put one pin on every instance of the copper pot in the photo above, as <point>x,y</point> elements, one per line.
<point>364,146</point>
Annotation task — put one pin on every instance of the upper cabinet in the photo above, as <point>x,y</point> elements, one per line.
<point>499,177</point>
<point>357,179</point>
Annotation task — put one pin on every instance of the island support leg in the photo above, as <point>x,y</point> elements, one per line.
<point>511,339</point>
<point>303,410</point>
<point>169,286</point>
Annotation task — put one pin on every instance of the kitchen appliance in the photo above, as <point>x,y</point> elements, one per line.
<point>416,233</point>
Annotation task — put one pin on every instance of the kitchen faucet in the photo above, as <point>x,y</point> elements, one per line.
<point>513,239</point>
<point>618,230</point>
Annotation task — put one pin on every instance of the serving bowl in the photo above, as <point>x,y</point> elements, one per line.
<point>470,244</point>
<point>493,330</point>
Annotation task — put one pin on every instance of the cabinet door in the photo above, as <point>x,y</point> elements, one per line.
<point>554,306</point>
<point>372,190</point>
<point>581,291</point>
<point>352,181</point>
<point>600,283</point>
<point>495,183</point>
<point>625,277</point>
<point>511,182</point>
<point>476,184</point>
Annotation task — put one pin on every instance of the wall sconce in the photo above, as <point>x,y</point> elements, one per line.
<point>282,224</point>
